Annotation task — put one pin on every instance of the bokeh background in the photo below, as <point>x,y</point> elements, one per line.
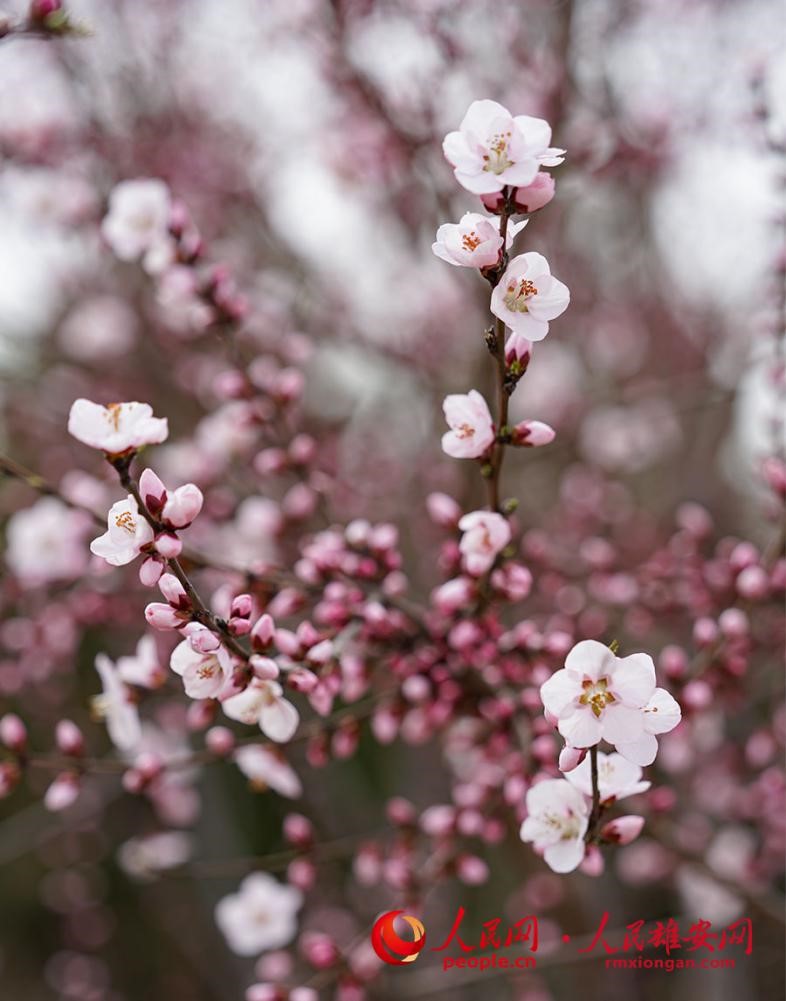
<point>305,138</point>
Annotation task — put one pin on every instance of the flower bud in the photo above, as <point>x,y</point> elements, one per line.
<point>13,733</point>
<point>263,632</point>
<point>532,434</point>
<point>622,830</point>
<point>443,510</point>
<point>69,738</point>
<point>183,506</point>
<point>62,792</point>
<point>173,591</point>
<point>571,757</point>
<point>168,545</point>
<point>152,490</point>
<point>220,741</point>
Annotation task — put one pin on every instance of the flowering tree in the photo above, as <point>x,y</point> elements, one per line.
<point>266,651</point>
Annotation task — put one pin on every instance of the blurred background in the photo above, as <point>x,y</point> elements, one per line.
<point>304,137</point>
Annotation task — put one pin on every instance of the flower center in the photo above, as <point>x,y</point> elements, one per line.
<point>596,695</point>
<point>471,241</point>
<point>465,431</point>
<point>517,295</point>
<point>113,414</point>
<point>497,160</point>
<point>126,521</point>
<point>565,826</point>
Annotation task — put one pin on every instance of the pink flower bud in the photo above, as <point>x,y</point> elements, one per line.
<point>263,632</point>
<point>438,821</point>
<point>287,642</point>
<point>753,583</point>
<point>62,792</point>
<point>173,591</point>
<point>201,638</point>
<point>454,594</point>
<point>705,632</point>
<point>264,667</point>
<point>270,461</point>
<point>571,757</point>
<point>298,830</point>
<point>320,654</point>
<point>302,873</point>
<point>301,680</point>
<point>150,571</point>
<point>319,949</point>
<point>168,545</point>
<point>182,506</point>
<point>593,864</point>
<point>734,623</point>
<point>264,992</point>
<point>443,510</point>
<point>220,741</point>
<point>299,502</point>
<point>697,695</point>
<point>532,434</point>
<point>622,830</point>
<point>518,349</point>
<point>302,449</point>
<point>530,198</point>
<point>152,490</point>
<point>13,733</point>
<point>69,739</point>
<point>161,616</point>
<point>400,812</point>
<point>472,870</point>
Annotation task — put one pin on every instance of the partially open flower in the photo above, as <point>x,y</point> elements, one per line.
<point>471,427</point>
<point>127,535</point>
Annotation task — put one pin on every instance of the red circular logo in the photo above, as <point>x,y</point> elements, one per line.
<point>389,945</point>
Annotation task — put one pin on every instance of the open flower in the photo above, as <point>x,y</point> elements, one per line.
<point>617,777</point>
<point>471,427</point>
<point>599,696</point>
<point>118,428</point>
<point>128,533</point>
<point>265,769</point>
<point>263,702</point>
<point>486,534</point>
<point>137,223</point>
<point>492,149</point>
<point>144,667</point>
<point>260,916</point>
<point>473,242</point>
<point>557,818</point>
<point>116,706</point>
<point>204,674</point>
<point>528,296</point>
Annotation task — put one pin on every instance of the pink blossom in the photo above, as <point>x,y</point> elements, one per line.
<point>46,542</point>
<point>598,695</point>
<point>493,150</point>
<point>144,668</point>
<point>265,769</point>
<point>117,428</point>
<point>128,534</point>
<point>532,434</point>
<point>528,296</point>
<point>260,916</point>
<point>486,534</point>
<point>622,830</point>
<point>137,223</point>
<point>116,706</point>
<point>471,427</point>
<point>263,703</point>
<point>557,818</point>
<point>63,792</point>
<point>204,675</point>
<point>617,777</point>
<point>529,198</point>
<point>473,242</point>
